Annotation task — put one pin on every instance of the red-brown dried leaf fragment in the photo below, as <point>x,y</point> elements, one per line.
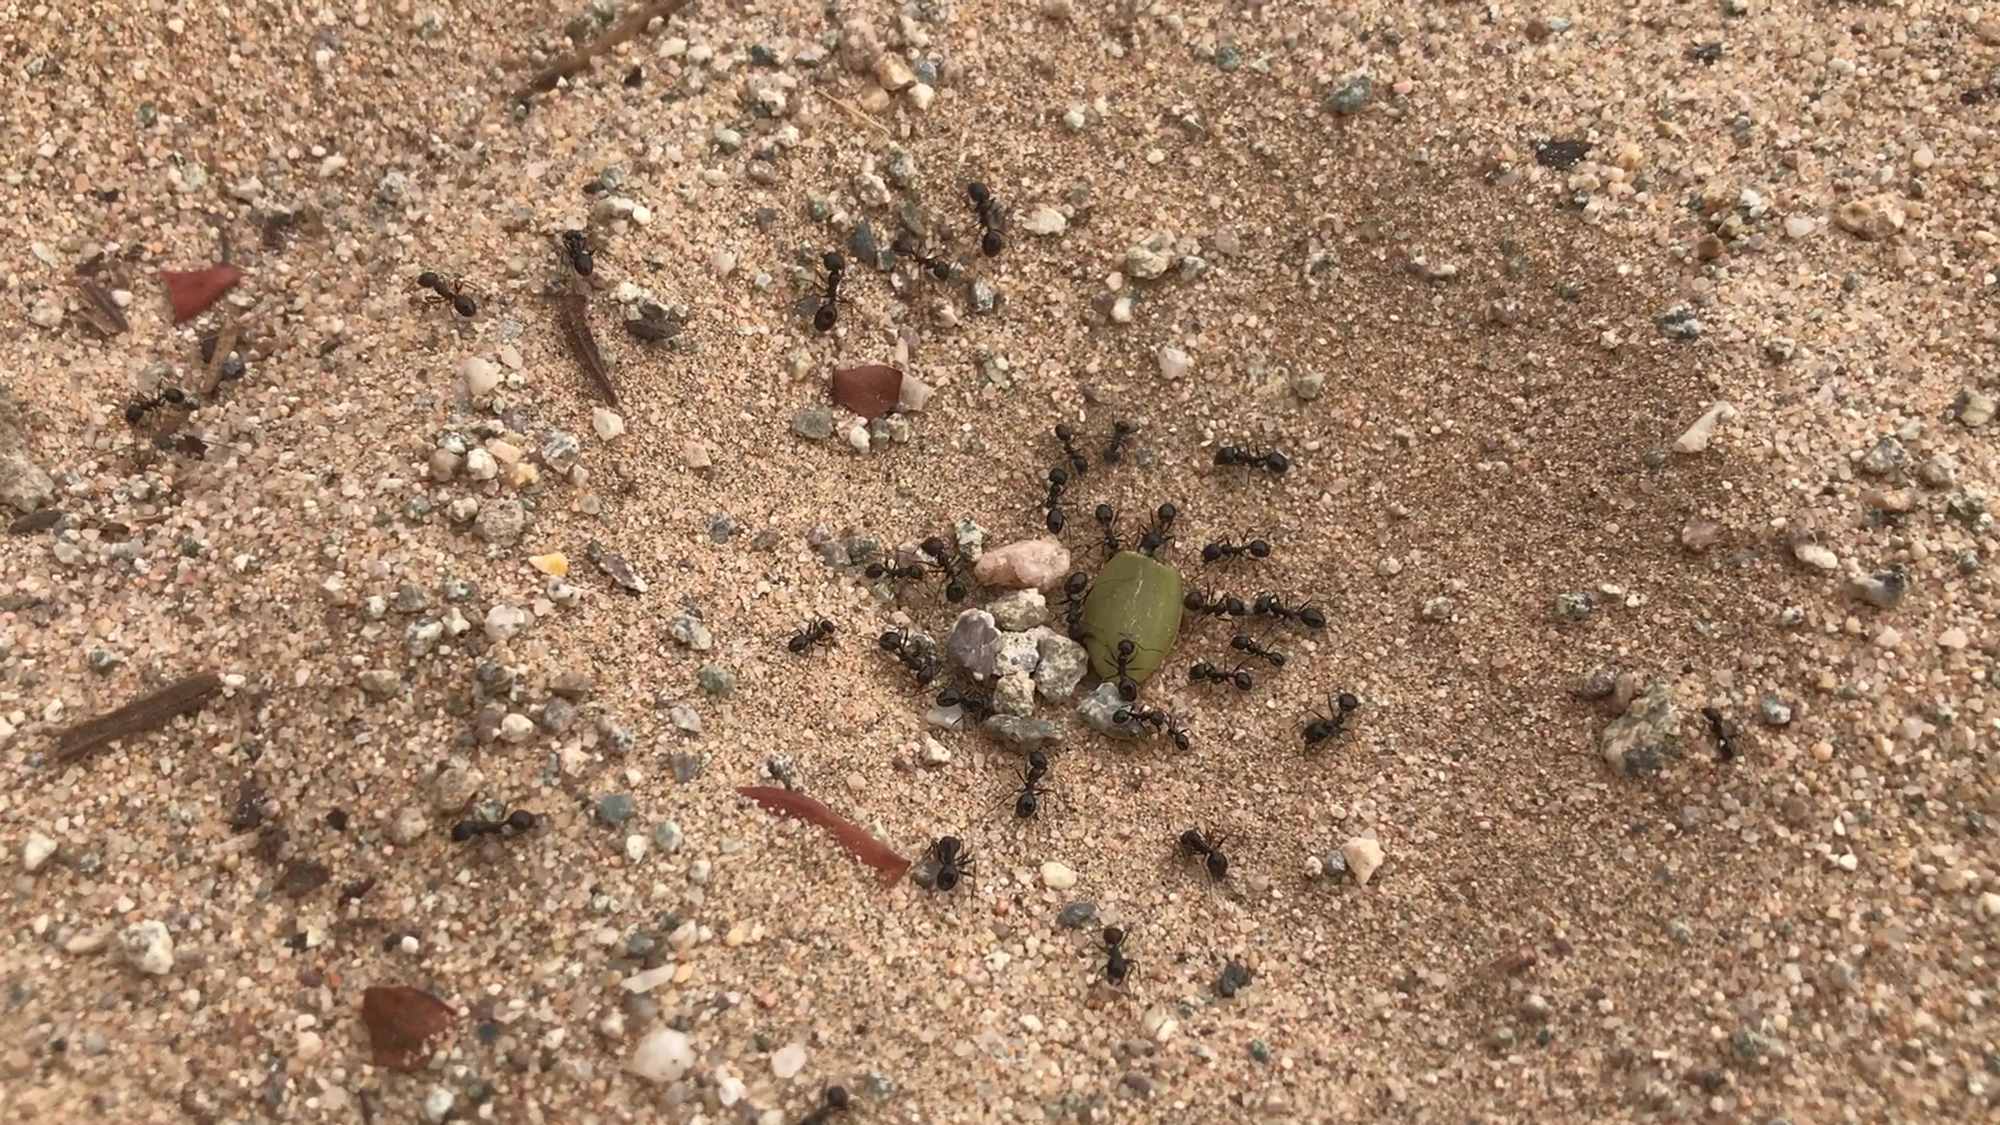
<point>402,1022</point>
<point>852,838</point>
<point>192,291</point>
<point>871,390</point>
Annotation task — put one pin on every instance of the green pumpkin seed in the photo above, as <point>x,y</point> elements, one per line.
<point>1134,597</point>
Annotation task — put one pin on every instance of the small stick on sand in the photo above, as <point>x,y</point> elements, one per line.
<point>856,113</point>
<point>139,716</point>
<point>580,58</point>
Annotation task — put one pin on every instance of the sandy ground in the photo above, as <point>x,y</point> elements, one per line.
<point>1460,346</point>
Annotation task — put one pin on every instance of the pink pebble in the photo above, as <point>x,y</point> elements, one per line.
<point>1041,563</point>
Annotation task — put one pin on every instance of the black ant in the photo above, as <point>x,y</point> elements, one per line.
<point>1128,689</point>
<point>834,1101</point>
<point>1201,671</point>
<point>1193,844</point>
<point>1161,532</point>
<point>1323,727</point>
<point>138,408</point>
<point>1121,432</point>
<point>901,572</point>
<point>1249,645</point>
<point>983,205</point>
<point>1058,480</point>
<point>906,246</point>
<point>1117,966</point>
<point>829,308</point>
<point>520,822</point>
<point>1270,605</point>
<point>953,861</point>
<point>950,565</point>
<point>576,246</point>
<point>980,707</point>
<point>1214,605</point>
<point>1224,549</point>
<point>1274,462</point>
<point>1075,589</point>
<point>1067,436</point>
<point>452,291</point>
<point>1107,522</point>
<point>818,631</point>
<point>1725,738</point>
<point>922,663</point>
<point>1028,798</point>
<point>1157,719</point>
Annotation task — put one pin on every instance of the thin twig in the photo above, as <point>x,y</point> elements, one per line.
<point>574,312</point>
<point>225,342</point>
<point>139,716</point>
<point>580,58</point>
<point>856,113</point>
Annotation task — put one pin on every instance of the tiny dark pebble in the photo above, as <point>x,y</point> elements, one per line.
<point>687,767</point>
<point>1561,155</point>
<point>1138,1083</point>
<point>337,820</point>
<point>1235,977</point>
<point>614,809</point>
<point>1077,914</point>
<point>40,520</point>
<point>862,242</point>
<point>634,77</point>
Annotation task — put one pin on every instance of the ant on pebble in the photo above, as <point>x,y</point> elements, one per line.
<point>906,246</point>
<point>1323,727</point>
<point>980,707</point>
<point>447,292</point>
<point>576,247</point>
<point>818,631</point>
<point>919,659</point>
<point>1075,589</point>
<point>1272,461</point>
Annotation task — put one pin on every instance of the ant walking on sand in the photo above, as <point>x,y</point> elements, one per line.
<point>1161,532</point>
<point>969,702</point>
<point>1117,966</point>
<point>988,210</point>
<point>1250,646</point>
<point>834,1101</point>
<point>906,246</point>
<point>954,861</point>
<point>1121,432</point>
<point>918,658</point>
<point>950,564</point>
<point>1201,671</point>
<point>1725,738</point>
<point>1028,797</point>
<point>818,631</point>
<point>576,247</point>
<point>1330,724</point>
<point>138,408</point>
<point>520,822</point>
<point>1224,549</point>
<point>447,292</point>
<point>1107,524</point>
<point>1058,481</point>
<point>1270,605</point>
<point>829,306</point>
<point>1157,719</point>
<point>1272,461</point>
<point>1078,463</point>
<point>1214,605</point>
<point>1193,843</point>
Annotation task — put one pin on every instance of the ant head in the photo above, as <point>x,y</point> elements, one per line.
<point>521,820</point>
<point>1166,513</point>
<point>1058,476</point>
<point>1265,602</point>
<point>135,413</point>
<point>1192,841</point>
<point>462,831</point>
<point>833,262</point>
<point>979,193</point>
<point>954,591</point>
<point>1212,553</point>
<point>891,640</point>
<point>1348,701</point>
<point>835,1097</point>
<point>1121,716</point>
<point>1233,606</point>
<point>1064,433</point>
<point>1038,760</point>
<point>1180,737</point>
<point>933,546</point>
<point>1260,549</point>
<point>1277,462</point>
<point>429,280</point>
<point>1227,454</point>
<point>1076,583</point>
<point>1218,865</point>
<point>1113,936</point>
<point>1240,642</point>
<point>1105,513</point>
<point>1121,428</point>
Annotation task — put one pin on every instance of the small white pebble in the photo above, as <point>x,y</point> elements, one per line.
<point>607,423</point>
<point>36,852</point>
<point>787,1061</point>
<point>1057,876</point>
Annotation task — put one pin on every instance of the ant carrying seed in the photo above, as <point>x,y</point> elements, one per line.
<point>1224,549</point>
<point>1058,481</point>
<point>988,210</point>
<point>818,631</point>
<point>1270,605</point>
<point>1239,677</point>
<point>1067,436</point>
<point>1121,432</point>
<point>1323,727</point>
<point>906,246</point>
<point>443,291</point>
<point>829,308</point>
<point>953,862</point>
<point>520,822</point>
<point>1725,738</point>
<point>1215,605</point>
<point>1273,461</point>
<point>1107,523</point>
<point>1117,966</point>
<point>950,564</point>
<point>1194,844</point>
<point>1157,719</point>
<point>576,247</point>
<point>1250,646</point>
<point>1160,533</point>
<point>834,1101</point>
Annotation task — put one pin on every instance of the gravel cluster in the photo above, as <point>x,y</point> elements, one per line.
<point>1633,366</point>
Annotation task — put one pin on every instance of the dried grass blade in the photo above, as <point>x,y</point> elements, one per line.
<point>580,58</point>
<point>851,837</point>
<point>574,311</point>
<point>98,307</point>
<point>178,698</point>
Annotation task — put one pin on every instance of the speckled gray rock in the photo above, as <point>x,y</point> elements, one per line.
<point>716,679</point>
<point>1020,610</point>
<point>1637,742</point>
<point>1026,733</point>
<point>1574,605</point>
<point>1014,694</point>
<point>1059,666</point>
<point>500,522</point>
<point>974,642</point>
<point>1351,96</point>
<point>1883,590</point>
<point>1774,710</point>
<point>1077,914</point>
<point>1151,256</point>
<point>814,423</point>
<point>1100,706</point>
<point>24,485</point>
<point>615,808</point>
<point>1886,457</point>
<point>148,947</point>
<point>688,629</point>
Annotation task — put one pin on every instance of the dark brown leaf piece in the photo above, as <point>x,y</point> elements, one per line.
<point>852,838</point>
<point>615,567</point>
<point>402,1021</point>
<point>98,307</point>
<point>192,291</point>
<point>574,312</point>
<point>41,519</point>
<point>871,390</point>
<point>138,716</point>
<point>303,878</point>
